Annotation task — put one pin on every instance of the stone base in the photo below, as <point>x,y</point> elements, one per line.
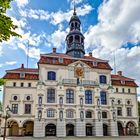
<point>39,129</point>
<point>98,128</point>
<point>113,128</point>
<point>61,128</point>
<point>80,128</point>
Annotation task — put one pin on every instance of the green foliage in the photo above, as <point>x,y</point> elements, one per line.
<point>6,24</point>
<point>2,81</point>
<point>0,106</point>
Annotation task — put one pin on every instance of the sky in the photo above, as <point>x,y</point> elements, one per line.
<point>111,29</point>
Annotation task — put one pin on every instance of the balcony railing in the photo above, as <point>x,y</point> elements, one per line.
<point>80,82</point>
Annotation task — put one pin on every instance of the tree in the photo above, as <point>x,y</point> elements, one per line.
<point>2,81</point>
<point>6,24</point>
<point>0,106</point>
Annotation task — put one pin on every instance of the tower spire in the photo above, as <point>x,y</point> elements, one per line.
<point>74,13</point>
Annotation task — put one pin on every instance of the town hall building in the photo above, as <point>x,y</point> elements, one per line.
<point>70,94</point>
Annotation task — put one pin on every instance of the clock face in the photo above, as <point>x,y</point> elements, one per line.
<point>79,72</point>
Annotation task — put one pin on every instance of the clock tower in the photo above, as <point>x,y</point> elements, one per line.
<point>75,39</point>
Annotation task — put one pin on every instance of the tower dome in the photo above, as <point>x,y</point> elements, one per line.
<point>75,39</point>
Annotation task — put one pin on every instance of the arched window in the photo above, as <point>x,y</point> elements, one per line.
<point>71,39</point>
<point>51,75</point>
<point>104,115</point>
<point>88,114</point>
<point>103,79</point>
<point>51,95</point>
<point>69,96</point>
<point>103,98</point>
<point>77,38</point>
<point>69,114</point>
<point>88,97</point>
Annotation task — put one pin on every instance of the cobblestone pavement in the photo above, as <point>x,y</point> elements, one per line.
<point>75,138</point>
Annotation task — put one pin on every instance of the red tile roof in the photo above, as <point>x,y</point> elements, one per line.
<point>16,76</point>
<point>53,59</point>
<point>119,80</point>
<point>30,73</point>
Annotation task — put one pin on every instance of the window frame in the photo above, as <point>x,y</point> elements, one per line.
<point>51,95</point>
<point>14,108</point>
<point>103,96</point>
<point>70,96</point>
<point>27,109</point>
<point>88,97</point>
<point>51,75</point>
<point>103,79</point>
<point>50,113</point>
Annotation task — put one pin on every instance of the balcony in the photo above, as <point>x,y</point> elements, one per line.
<point>69,81</point>
<point>79,82</point>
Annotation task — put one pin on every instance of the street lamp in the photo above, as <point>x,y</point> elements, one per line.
<point>8,111</point>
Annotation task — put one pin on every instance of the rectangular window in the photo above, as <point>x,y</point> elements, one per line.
<point>129,91</point>
<point>14,108</point>
<point>69,114</point>
<point>51,96</point>
<point>22,84</point>
<point>129,111</point>
<point>27,108</point>
<point>50,113</point>
<point>14,84</point>
<point>103,98</point>
<point>116,89</point>
<point>29,84</point>
<point>119,111</point>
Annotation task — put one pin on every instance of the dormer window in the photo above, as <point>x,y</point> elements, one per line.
<point>123,82</point>
<point>22,75</point>
<point>94,63</point>
<point>60,59</point>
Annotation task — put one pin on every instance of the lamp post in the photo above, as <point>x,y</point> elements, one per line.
<point>8,111</point>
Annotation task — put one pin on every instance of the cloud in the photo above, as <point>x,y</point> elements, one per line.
<point>22,3</point>
<point>55,17</point>
<point>8,63</point>
<point>57,38</point>
<point>117,26</point>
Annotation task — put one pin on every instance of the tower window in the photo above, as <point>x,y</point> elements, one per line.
<point>21,84</point>
<point>14,84</point>
<point>77,38</point>
<point>71,39</point>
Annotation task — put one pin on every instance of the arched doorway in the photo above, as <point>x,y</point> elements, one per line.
<point>105,130</point>
<point>130,128</point>
<point>13,129</point>
<point>120,129</point>
<point>88,130</point>
<point>50,130</point>
<point>70,130</point>
<point>28,127</point>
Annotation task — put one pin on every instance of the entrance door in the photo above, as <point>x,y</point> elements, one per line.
<point>14,129</point>
<point>70,130</point>
<point>105,130</point>
<point>28,128</point>
<point>88,130</point>
<point>50,130</point>
<point>120,129</point>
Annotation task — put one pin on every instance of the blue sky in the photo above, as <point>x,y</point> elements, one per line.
<point>108,26</point>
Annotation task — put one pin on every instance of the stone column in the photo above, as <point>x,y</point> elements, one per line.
<point>80,128</point>
<point>61,128</point>
<point>39,129</point>
<point>113,128</point>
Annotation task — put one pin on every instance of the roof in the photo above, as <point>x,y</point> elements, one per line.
<point>120,80</point>
<point>30,73</point>
<point>53,59</point>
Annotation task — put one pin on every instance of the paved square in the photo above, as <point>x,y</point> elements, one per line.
<point>75,138</point>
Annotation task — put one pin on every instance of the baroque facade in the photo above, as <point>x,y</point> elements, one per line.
<point>70,94</point>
